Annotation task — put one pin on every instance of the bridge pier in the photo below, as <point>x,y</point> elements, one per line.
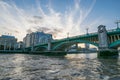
<point>104,49</point>
<point>87,46</point>
<point>108,52</point>
<point>76,46</point>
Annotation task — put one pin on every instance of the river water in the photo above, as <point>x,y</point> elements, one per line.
<point>83,66</point>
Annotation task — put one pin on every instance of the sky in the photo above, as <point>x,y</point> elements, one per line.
<point>61,18</point>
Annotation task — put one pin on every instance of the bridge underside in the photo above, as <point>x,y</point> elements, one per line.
<point>63,45</point>
<point>40,48</point>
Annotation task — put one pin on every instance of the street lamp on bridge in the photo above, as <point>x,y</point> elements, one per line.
<point>117,22</point>
<point>87,31</point>
<point>67,34</point>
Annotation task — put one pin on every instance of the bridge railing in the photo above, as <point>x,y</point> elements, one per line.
<point>112,30</point>
<point>75,37</point>
<point>83,35</point>
<point>90,34</point>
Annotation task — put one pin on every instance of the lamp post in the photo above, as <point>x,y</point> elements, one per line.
<point>68,35</point>
<point>86,44</point>
<point>117,23</point>
<point>87,31</point>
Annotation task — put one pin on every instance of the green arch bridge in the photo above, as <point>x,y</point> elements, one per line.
<point>113,39</point>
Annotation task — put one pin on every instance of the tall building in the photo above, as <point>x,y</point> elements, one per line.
<point>35,38</point>
<point>8,42</point>
<point>26,40</point>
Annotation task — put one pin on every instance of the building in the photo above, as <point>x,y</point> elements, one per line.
<point>8,42</point>
<point>20,45</point>
<point>26,40</point>
<point>35,38</point>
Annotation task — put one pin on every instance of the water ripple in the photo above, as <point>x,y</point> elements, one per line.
<point>38,67</point>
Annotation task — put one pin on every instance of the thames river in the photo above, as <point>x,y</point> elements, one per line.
<point>83,66</point>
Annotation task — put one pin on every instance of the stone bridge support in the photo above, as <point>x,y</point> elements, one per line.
<point>104,49</point>
<point>102,37</point>
<point>76,46</point>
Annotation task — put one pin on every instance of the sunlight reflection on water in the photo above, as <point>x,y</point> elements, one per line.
<point>84,66</point>
<point>82,55</point>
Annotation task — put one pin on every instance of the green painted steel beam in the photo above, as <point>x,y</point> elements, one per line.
<point>81,37</point>
<point>76,41</point>
<point>115,44</point>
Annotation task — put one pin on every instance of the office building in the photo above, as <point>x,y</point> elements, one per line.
<point>8,42</point>
<point>35,38</point>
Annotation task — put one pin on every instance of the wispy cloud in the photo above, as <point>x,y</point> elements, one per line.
<point>19,22</point>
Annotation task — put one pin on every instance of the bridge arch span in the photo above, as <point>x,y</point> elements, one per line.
<point>115,44</point>
<point>40,48</point>
<point>65,44</point>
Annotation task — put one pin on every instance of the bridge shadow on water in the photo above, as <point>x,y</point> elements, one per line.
<point>108,57</point>
<point>101,67</point>
<point>109,67</point>
<point>103,55</point>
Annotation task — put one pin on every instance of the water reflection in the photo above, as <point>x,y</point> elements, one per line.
<point>18,60</point>
<point>85,66</point>
<point>118,62</point>
<point>82,55</point>
<point>109,68</point>
<point>96,68</point>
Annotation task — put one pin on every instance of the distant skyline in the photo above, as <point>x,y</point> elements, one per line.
<point>58,17</point>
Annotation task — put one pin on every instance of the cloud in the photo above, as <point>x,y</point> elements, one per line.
<point>53,31</point>
<point>29,31</point>
<point>12,19</point>
<point>19,21</point>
